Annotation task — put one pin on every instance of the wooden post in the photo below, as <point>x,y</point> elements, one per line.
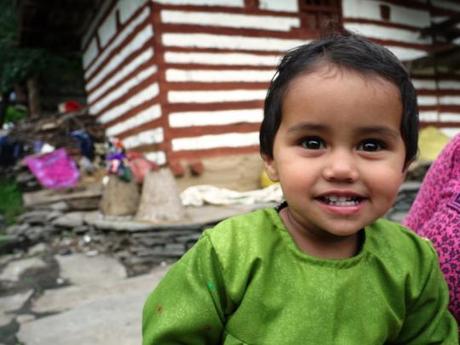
<point>34,97</point>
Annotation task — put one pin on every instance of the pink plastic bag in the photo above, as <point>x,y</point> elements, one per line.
<point>54,170</point>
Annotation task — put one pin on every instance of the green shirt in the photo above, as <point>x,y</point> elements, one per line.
<point>246,282</point>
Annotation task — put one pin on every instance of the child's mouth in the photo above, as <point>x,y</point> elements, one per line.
<point>343,201</point>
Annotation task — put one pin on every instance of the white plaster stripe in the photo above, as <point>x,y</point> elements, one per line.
<point>449,100</point>
<point>371,10</point>
<point>230,3</point>
<point>152,136</point>
<point>424,84</point>
<point>428,116</point>
<point>108,28</point>
<point>406,54</point>
<point>229,42</point>
<point>122,73</point>
<point>246,21</point>
<point>438,19</point>
<point>222,59</point>
<point>387,33</point>
<point>102,10</point>
<point>222,117</point>
<point>450,5</point>
<point>277,5</point>
<point>450,117</point>
<point>145,95</point>
<point>216,141</point>
<point>128,7</point>
<point>123,89</point>
<point>449,84</point>
<point>158,157</point>
<point>215,96</point>
<point>120,39</point>
<point>450,132</point>
<point>136,44</point>
<point>90,53</point>
<point>178,75</point>
<point>427,100</point>
<point>147,115</point>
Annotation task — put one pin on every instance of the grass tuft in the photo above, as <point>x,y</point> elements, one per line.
<point>10,200</point>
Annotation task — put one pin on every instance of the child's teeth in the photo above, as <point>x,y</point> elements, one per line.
<point>341,200</point>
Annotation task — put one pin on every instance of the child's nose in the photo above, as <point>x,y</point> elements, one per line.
<point>341,167</point>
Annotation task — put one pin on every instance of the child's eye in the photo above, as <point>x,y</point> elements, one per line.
<point>312,143</point>
<point>371,145</point>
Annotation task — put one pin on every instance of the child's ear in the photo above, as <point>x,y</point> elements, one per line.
<point>270,168</point>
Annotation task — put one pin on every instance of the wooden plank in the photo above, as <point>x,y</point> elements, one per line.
<point>49,196</point>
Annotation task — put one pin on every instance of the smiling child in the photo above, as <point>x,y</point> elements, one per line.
<point>339,130</point>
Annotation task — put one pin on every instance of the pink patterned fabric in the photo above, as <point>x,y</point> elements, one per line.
<point>54,170</point>
<point>435,214</point>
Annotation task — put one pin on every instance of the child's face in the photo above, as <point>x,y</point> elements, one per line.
<point>338,153</point>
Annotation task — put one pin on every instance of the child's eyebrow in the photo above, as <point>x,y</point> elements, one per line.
<point>379,130</point>
<point>304,126</point>
<point>365,130</point>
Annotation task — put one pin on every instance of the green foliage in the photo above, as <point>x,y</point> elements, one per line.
<point>16,63</point>
<point>15,113</point>
<point>10,200</point>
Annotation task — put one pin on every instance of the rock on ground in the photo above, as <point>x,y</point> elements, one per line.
<point>11,303</point>
<point>14,269</point>
<point>80,269</point>
<point>111,319</point>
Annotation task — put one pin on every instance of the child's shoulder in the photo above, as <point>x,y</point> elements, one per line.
<point>397,234</point>
<point>392,240</point>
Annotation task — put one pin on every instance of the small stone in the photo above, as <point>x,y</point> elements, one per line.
<point>177,168</point>
<point>4,259</point>
<point>34,233</point>
<point>65,251</point>
<point>17,229</point>
<point>49,230</point>
<point>59,206</point>
<point>14,269</point>
<point>23,318</point>
<point>69,220</point>
<point>196,168</point>
<point>53,215</point>
<point>94,268</point>
<point>148,241</point>
<point>37,249</point>
<point>81,229</point>
<point>190,238</point>
<point>33,217</point>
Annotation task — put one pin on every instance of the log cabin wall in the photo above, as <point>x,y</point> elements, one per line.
<point>397,25</point>
<point>121,75</point>
<point>185,79</point>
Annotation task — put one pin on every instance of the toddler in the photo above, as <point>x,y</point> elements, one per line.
<point>339,130</point>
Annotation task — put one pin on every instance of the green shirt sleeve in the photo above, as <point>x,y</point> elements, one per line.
<point>428,320</point>
<point>188,305</point>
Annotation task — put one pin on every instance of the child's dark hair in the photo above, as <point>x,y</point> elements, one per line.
<point>349,51</point>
